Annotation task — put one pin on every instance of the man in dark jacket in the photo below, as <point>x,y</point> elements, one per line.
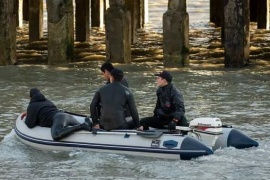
<point>113,98</point>
<point>170,108</point>
<point>42,112</point>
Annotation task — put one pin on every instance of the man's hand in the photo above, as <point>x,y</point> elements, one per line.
<point>96,126</point>
<point>172,125</point>
<point>23,115</point>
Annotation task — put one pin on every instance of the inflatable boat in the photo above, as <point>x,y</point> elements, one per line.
<point>143,143</point>
<point>201,138</point>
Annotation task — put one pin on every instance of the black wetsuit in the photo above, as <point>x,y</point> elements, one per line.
<point>131,123</point>
<point>113,97</point>
<point>42,112</point>
<point>169,106</point>
<point>123,82</point>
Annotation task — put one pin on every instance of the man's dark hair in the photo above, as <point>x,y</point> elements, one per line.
<point>117,74</point>
<point>106,66</point>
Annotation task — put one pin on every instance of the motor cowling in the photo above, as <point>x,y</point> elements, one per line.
<point>211,125</point>
<point>206,129</point>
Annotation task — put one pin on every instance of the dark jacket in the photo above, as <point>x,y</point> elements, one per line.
<point>170,103</point>
<point>113,98</point>
<point>40,112</point>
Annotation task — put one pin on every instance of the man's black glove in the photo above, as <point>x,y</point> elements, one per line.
<point>172,125</point>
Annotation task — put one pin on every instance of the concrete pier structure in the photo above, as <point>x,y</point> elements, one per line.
<point>253,6</point>
<point>134,10</point>
<point>118,33</point>
<point>60,31</point>
<point>82,19</point>
<point>8,23</point>
<point>176,34</point>
<point>35,20</point>
<point>26,10</point>
<point>263,14</point>
<point>216,12</point>
<point>236,33</point>
<point>122,21</point>
<point>98,9</point>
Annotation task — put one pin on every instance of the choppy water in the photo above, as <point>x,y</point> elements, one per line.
<point>239,97</point>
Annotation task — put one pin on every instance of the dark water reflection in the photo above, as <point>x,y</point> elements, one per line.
<point>239,97</point>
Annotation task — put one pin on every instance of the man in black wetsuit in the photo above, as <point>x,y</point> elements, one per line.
<point>169,109</point>
<point>106,69</point>
<point>113,98</point>
<point>42,112</point>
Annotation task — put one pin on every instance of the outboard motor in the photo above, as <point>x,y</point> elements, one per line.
<point>206,129</point>
<point>215,135</point>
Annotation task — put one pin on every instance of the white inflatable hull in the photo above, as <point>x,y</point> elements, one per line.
<point>169,146</point>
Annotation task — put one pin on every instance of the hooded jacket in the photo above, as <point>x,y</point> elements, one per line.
<point>40,111</point>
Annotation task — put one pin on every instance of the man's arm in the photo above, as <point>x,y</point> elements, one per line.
<point>178,102</point>
<point>133,109</point>
<point>124,82</point>
<point>93,108</point>
<point>30,123</point>
<point>157,108</point>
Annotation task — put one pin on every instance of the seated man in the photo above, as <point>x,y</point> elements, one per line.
<point>169,109</point>
<point>106,69</point>
<point>42,112</point>
<point>113,99</point>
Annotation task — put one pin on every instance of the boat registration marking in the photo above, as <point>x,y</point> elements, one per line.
<point>155,143</point>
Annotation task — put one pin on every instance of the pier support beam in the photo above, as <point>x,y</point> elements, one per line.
<point>26,10</point>
<point>16,10</point>
<point>132,7</point>
<point>35,20</point>
<point>236,33</point>
<point>97,13</point>
<point>7,32</point>
<point>139,14</point>
<point>176,34</point>
<point>82,20</point>
<point>60,31</point>
<point>219,14</point>
<point>216,12</point>
<point>212,11</point>
<point>263,14</point>
<point>253,8</point>
<point>118,33</point>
